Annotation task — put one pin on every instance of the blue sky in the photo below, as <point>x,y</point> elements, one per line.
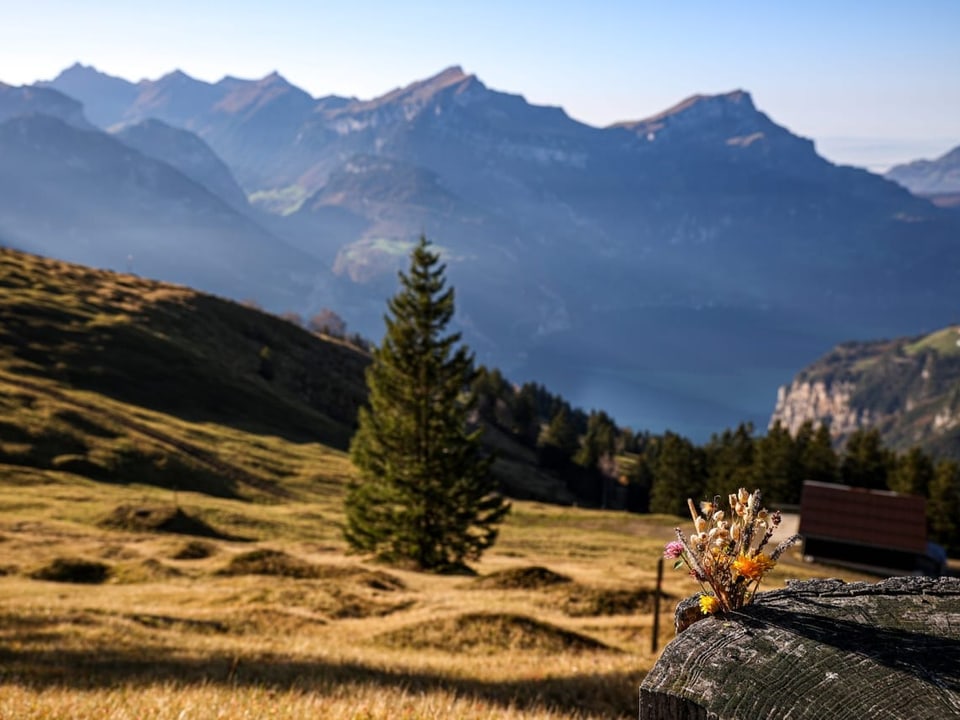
<point>872,82</point>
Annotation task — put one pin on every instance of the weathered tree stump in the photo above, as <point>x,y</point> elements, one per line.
<point>817,650</point>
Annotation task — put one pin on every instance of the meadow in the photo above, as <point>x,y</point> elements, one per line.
<point>134,601</point>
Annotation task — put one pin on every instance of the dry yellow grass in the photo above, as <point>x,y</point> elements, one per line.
<point>322,633</point>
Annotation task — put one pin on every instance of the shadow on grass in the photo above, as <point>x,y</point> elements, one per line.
<point>608,695</point>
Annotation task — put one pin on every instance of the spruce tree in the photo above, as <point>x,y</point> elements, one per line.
<point>818,457</point>
<point>912,473</point>
<point>425,494</point>
<point>678,474</point>
<point>943,506</point>
<point>866,462</point>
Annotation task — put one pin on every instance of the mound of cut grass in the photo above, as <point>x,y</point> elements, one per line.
<point>270,562</point>
<point>159,518</point>
<point>372,579</point>
<point>195,550</point>
<point>148,570</point>
<point>534,577</point>
<point>343,605</point>
<point>73,570</point>
<point>490,633</point>
<point>593,602</point>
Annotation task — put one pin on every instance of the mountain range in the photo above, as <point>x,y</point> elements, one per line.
<point>672,270</point>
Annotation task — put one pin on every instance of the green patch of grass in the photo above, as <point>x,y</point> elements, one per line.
<point>279,201</point>
<point>945,342</point>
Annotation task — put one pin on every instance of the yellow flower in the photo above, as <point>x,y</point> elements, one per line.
<point>709,604</point>
<point>753,568</point>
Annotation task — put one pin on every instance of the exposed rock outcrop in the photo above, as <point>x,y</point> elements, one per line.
<point>820,402</point>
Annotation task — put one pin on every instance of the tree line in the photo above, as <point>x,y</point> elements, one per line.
<point>657,473</point>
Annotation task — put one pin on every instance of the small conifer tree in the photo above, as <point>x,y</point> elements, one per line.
<point>425,493</point>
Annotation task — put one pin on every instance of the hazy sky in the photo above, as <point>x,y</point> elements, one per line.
<point>873,82</point>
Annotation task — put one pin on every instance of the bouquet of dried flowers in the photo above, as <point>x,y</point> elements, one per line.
<point>725,554</point>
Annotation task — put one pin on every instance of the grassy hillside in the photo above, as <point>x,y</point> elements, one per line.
<point>175,350</point>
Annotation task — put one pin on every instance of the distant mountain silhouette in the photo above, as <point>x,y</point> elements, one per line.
<point>187,153</point>
<point>16,101</point>
<point>930,177</point>
<point>85,196</point>
<point>105,98</point>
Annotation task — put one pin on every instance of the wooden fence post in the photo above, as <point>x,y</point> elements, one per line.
<point>654,635</point>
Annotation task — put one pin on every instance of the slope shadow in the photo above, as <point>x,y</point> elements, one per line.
<point>608,695</point>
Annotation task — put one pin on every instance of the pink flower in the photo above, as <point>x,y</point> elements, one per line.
<point>673,550</point>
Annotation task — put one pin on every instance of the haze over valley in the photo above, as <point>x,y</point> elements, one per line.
<point>673,270</point>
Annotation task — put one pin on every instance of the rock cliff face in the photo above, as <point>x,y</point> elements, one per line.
<point>907,388</point>
<point>821,402</point>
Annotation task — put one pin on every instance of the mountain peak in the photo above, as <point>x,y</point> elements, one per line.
<point>454,73</point>
<point>423,89</point>
<point>730,117</point>
<point>244,95</point>
<point>104,97</point>
<point>78,69</point>
<point>738,102</point>
<point>729,105</point>
<point>178,76</point>
<point>32,99</point>
<point>448,77</point>
<point>274,79</point>
<point>80,74</point>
